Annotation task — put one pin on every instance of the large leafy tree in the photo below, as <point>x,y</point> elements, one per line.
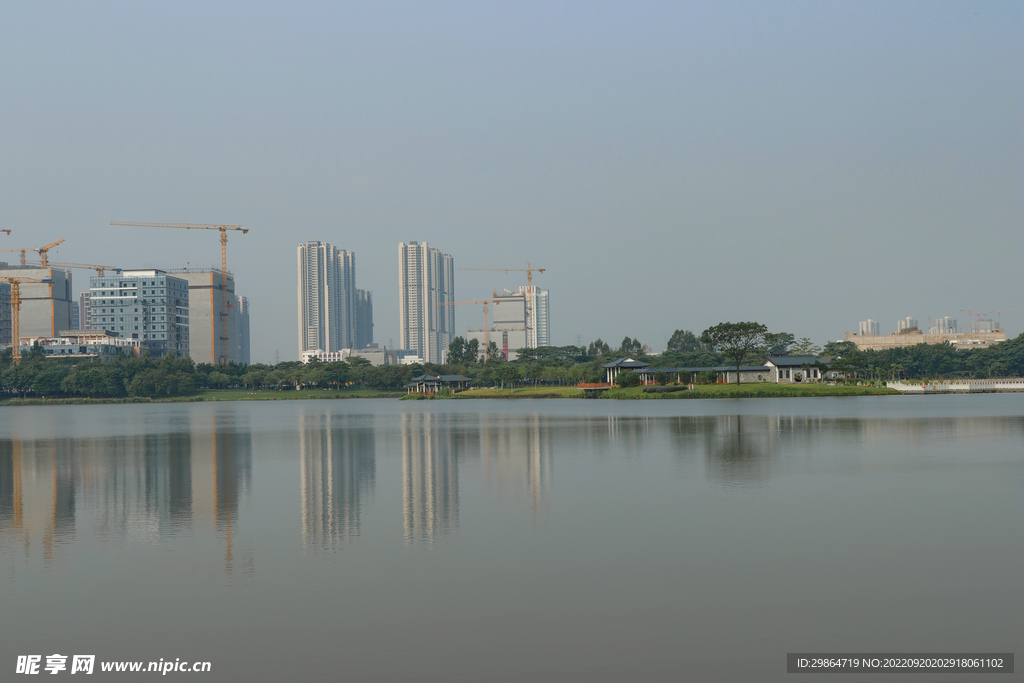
<point>684,341</point>
<point>778,344</point>
<point>735,340</point>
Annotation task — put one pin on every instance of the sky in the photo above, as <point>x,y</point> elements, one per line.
<point>673,165</point>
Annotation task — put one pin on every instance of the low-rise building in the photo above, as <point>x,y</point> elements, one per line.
<point>84,345</point>
<point>376,356</point>
<point>431,384</point>
<point>784,369</point>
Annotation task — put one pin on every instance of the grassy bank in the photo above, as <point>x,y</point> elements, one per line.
<point>209,395</point>
<point>752,390</point>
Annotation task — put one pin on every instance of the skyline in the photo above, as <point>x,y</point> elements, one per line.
<point>671,166</point>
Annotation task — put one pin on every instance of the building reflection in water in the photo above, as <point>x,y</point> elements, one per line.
<point>132,487</point>
<point>430,475</point>
<point>338,469</point>
<point>518,459</point>
<point>739,450</point>
<point>38,492</point>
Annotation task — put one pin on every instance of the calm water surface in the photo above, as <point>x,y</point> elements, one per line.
<point>541,540</point>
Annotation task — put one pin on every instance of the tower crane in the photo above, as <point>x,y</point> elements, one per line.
<point>7,231</point>
<point>529,270</point>
<point>15,282</point>
<point>225,304</point>
<point>485,302</point>
<point>39,250</point>
<point>100,270</point>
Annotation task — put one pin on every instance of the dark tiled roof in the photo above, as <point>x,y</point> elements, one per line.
<point>454,378</point>
<point>651,371</point>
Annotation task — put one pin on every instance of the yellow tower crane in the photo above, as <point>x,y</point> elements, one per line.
<point>225,304</point>
<point>15,283</point>
<point>39,250</point>
<point>485,302</point>
<point>100,270</point>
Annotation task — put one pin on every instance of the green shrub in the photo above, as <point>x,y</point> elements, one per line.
<point>627,379</point>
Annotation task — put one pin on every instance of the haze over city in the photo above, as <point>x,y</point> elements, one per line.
<point>671,165</point>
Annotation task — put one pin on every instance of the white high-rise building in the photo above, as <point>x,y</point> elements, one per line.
<point>327,291</point>
<point>538,320</point>
<point>869,327</point>
<point>426,279</point>
<point>906,324</point>
<point>944,325</point>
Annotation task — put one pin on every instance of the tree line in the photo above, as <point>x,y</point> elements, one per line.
<point>130,376</point>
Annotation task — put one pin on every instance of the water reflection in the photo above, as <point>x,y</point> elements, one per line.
<point>132,487</point>
<point>338,467</point>
<point>430,475</point>
<point>519,459</point>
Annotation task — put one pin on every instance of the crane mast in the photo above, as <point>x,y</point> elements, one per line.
<point>15,283</point>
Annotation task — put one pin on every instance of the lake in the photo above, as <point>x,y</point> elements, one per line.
<point>511,540</point>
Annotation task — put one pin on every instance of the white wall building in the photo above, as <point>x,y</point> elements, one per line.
<point>426,279</point>
<point>327,297</point>
<point>242,351</point>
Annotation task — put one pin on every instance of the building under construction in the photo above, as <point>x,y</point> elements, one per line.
<point>205,306</point>
<point>45,306</point>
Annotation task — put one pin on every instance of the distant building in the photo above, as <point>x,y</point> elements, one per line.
<point>85,344</point>
<point>906,325</point>
<point>869,327</point>
<point>242,354</point>
<point>207,303</point>
<point>148,305</point>
<point>326,297</point>
<point>76,321</point>
<point>426,279</point>
<point>5,314</point>
<point>376,356</point>
<point>944,325</point>
<point>364,318</point>
<point>45,306</point>
<point>83,311</point>
<point>960,340</point>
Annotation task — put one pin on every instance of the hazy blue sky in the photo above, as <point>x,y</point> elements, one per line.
<point>673,165</point>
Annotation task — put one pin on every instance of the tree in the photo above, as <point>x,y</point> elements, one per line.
<point>661,377</point>
<point>840,348</point>
<point>627,378</point>
<point>778,344</point>
<point>630,347</point>
<point>598,348</point>
<point>804,347</point>
<point>684,341</point>
<point>457,350</point>
<point>492,352</point>
<point>735,340</point>
<point>472,352</point>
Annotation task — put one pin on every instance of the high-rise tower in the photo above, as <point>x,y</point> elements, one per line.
<point>327,297</point>
<point>426,279</point>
